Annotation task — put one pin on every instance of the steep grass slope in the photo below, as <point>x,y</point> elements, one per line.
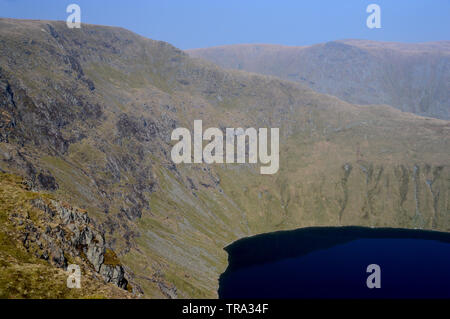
<point>87,115</point>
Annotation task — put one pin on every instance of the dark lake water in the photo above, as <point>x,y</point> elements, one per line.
<point>331,262</point>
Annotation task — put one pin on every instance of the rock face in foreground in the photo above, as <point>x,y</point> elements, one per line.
<point>56,233</point>
<point>73,236</point>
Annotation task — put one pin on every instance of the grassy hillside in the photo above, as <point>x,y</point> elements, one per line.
<point>413,77</point>
<point>87,115</point>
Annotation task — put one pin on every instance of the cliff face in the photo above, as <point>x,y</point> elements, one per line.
<point>411,77</point>
<point>41,236</point>
<point>74,236</point>
<point>87,115</point>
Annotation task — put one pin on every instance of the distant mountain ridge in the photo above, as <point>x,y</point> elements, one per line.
<point>86,115</point>
<point>413,77</point>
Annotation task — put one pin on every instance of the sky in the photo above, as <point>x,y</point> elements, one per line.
<point>191,24</point>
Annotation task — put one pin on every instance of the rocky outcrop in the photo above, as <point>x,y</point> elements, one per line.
<point>64,233</point>
<point>114,274</point>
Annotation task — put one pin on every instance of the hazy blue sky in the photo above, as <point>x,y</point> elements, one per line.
<point>204,23</point>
